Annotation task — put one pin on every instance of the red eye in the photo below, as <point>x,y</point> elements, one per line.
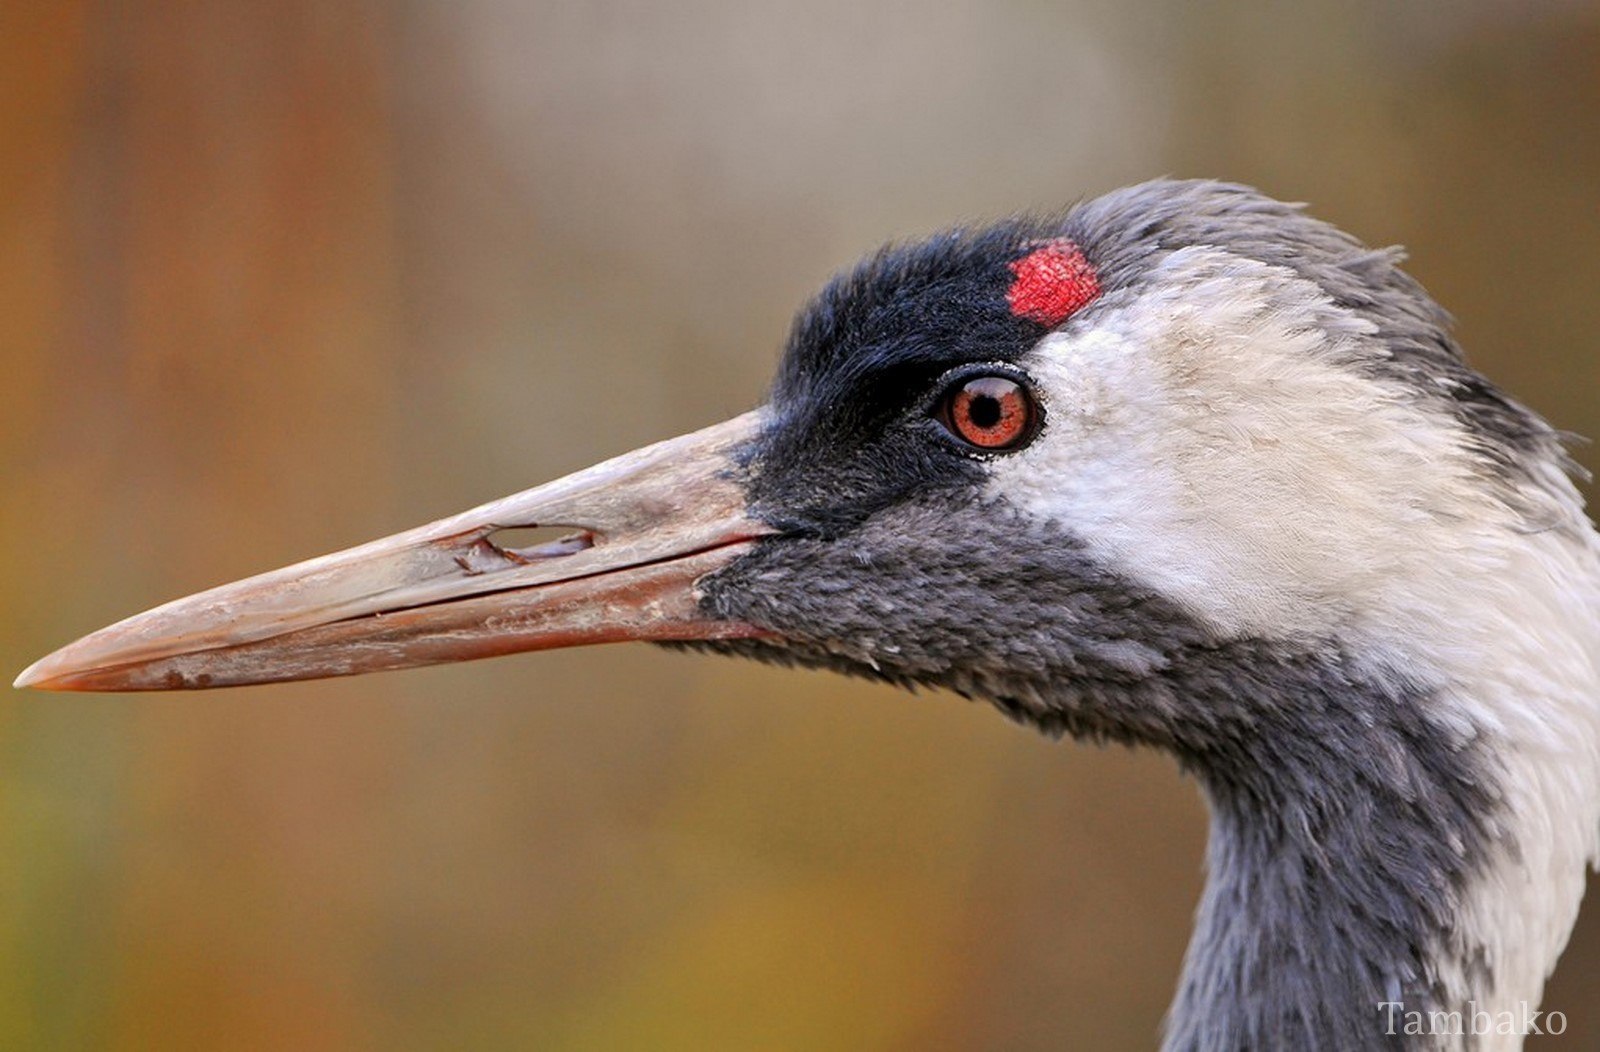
<point>989,412</point>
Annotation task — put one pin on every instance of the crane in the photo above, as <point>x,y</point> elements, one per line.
<point>1179,467</point>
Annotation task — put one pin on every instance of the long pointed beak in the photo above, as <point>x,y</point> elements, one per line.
<point>646,527</point>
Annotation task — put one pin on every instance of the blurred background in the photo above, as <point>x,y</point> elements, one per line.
<point>278,278</point>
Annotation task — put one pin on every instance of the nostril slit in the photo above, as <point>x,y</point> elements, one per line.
<point>529,543</point>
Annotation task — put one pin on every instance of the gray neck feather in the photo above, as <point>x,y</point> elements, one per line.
<point>1335,876</point>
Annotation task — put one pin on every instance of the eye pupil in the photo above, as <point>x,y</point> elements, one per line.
<point>991,412</point>
<point>984,411</point>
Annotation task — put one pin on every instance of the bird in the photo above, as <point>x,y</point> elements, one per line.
<point>1181,467</point>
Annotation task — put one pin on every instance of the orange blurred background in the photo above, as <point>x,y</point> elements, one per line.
<point>278,278</point>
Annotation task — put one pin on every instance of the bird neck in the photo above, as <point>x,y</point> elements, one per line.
<point>1318,911</point>
<point>1377,861</point>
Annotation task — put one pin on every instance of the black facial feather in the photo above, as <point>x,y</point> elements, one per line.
<point>936,302</point>
<point>850,405</point>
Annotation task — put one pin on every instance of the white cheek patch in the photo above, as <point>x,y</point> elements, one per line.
<point>1217,441</point>
<point>1209,443</point>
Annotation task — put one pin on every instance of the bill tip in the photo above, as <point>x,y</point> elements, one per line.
<point>44,674</point>
<point>30,676</point>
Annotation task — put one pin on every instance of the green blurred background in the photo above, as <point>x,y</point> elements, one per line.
<point>277,278</point>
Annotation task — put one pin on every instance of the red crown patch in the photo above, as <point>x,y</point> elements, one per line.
<point>1052,283</point>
